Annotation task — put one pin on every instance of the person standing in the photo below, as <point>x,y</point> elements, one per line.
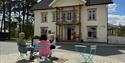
<point>51,38</point>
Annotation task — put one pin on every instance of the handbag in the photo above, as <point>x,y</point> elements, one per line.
<point>52,47</point>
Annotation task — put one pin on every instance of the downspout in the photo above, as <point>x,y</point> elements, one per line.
<point>107,24</point>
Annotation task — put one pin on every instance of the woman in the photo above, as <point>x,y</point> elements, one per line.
<point>45,46</point>
<point>51,38</point>
<point>21,43</point>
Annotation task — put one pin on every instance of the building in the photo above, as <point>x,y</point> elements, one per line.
<point>73,19</point>
<point>113,30</point>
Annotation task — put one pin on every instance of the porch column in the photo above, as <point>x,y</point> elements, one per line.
<point>62,23</point>
<point>80,32</point>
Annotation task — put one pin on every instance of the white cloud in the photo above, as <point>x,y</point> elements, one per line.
<point>112,8</point>
<point>1,17</point>
<point>39,0</point>
<point>116,19</point>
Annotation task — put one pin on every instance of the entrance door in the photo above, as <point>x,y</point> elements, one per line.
<point>69,33</point>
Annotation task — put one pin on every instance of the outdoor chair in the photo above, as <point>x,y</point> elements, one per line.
<point>43,58</point>
<point>89,56</point>
<point>22,52</point>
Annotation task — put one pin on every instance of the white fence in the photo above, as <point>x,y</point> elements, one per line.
<point>116,40</point>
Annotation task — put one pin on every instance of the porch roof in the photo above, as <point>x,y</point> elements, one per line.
<point>44,4</point>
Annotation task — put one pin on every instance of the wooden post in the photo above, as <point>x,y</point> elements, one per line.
<point>62,22</point>
<point>56,23</point>
<point>80,33</point>
<point>74,14</point>
<point>59,24</point>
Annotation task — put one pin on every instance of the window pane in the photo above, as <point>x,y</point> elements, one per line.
<point>92,32</point>
<point>94,14</point>
<point>44,16</point>
<point>44,29</point>
<point>68,15</point>
<point>91,14</point>
<point>54,16</point>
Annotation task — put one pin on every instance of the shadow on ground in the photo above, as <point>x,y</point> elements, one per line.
<point>23,61</point>
<point>51,60</point>
<point>101,50</point>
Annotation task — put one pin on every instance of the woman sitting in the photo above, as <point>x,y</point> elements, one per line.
<point>45,50</point>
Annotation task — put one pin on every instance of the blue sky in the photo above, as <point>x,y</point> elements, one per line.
<point>117,12</point>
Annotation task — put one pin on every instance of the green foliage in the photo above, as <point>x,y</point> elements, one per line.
<point>13,31</point>
<point>121,30</point>
<point>28,29</point>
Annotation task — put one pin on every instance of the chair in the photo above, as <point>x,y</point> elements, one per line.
<point>36,48</point>
<point>22,52</point>
<point>89,56</point>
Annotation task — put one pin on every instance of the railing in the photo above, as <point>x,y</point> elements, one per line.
<point>116,39</point>
<point>67,22</point>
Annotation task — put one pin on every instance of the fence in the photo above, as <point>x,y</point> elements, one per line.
<point>116,39</point>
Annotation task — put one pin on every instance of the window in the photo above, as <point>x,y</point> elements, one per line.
<point>44,16</point>
<point>44,29</point>
<point>68,15</point>
<point>92,32</point>
<point>54,16</point>
<point>91,14</point>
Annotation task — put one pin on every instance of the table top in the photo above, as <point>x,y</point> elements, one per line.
<point>80,46</point>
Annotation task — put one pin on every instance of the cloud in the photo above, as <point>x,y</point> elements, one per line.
<point>39,0</point>
<point>112,7</point>
<point>1,17</point>
<point>116,19</point>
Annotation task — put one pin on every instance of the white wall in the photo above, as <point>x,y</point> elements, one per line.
<point>51,25</point>
<point>101,22</point>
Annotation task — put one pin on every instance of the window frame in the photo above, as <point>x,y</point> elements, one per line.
<point>43,15</point>
<point>44,29</point>
<point>54,16</point>
<point>92,14</point>
<point>92,37</point>
<point>68,15</point>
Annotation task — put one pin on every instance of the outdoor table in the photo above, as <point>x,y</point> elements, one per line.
<point>80,46</point>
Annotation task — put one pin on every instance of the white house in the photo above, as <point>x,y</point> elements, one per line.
<point>87,19</point>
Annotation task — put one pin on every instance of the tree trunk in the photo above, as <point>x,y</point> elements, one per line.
<point>24,11</point>
<point>9,19</point>
<point>4,15</point>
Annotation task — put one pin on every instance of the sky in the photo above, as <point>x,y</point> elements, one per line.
<point>116,12</point>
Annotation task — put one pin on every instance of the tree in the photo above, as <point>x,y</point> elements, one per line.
<point>28,29</point>
<point>121,30</point>
<point>22,14</point>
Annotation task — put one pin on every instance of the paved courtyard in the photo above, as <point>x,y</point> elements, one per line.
<point>66,54</point>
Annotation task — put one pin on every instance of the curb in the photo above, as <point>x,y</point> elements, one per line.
<point>98,44</point>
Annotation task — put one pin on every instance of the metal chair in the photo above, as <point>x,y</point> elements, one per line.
<point>89,56</point>
<point>80,46</point>
<point>22,52</point>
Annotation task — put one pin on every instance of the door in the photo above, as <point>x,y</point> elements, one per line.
<point>69,33</point>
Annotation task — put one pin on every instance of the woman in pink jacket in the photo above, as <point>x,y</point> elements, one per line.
<point>45,49</point>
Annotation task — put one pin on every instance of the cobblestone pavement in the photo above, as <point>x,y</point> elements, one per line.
<point>67,56</point>
<point>9,54</point>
